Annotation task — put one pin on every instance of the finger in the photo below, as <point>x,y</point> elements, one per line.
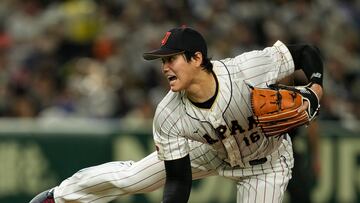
<point>303,107</point>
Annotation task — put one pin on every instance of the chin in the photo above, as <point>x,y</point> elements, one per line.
<point>175,89</point>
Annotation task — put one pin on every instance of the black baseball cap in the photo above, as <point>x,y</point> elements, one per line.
<point>177,41</point>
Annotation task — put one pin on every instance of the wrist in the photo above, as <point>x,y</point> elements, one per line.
<point>317,88</point>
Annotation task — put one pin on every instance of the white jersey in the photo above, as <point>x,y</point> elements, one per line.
<point>228,126</point>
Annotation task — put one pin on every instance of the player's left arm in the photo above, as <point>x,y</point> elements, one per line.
<point>307,58</point>
<point>178,180</point>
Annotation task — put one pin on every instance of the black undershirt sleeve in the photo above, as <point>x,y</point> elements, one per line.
<point>178,180</point>
<point>307,58</point>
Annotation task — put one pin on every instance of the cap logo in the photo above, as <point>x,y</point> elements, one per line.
<point>166,37</point>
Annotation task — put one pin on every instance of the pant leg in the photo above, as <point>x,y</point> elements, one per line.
<point>268,184</point>
<point>105,182</point>
<point>262,188</point>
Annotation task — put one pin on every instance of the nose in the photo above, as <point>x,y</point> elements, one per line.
<point>165,67</point>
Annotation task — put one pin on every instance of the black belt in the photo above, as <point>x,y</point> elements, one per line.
<point>257,161</point>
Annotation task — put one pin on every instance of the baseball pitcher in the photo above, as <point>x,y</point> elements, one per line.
<point>220,118</point>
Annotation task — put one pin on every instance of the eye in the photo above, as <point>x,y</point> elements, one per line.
<point>168,59</point>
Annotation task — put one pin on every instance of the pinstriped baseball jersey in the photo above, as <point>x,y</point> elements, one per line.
<point>228,126</point>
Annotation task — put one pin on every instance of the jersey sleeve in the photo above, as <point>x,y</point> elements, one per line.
<point>267,66</point>
<point>169,142</point>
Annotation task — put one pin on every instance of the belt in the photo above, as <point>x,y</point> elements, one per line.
<point>258,161</point>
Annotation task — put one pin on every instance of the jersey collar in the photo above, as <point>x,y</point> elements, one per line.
<point>214,115</point>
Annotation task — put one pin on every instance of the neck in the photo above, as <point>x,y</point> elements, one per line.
<point>203,88</point>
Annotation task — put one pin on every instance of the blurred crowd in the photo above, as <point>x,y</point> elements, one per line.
<point>83,58</point>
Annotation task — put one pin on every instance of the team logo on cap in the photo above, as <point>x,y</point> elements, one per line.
<point>166,37</point>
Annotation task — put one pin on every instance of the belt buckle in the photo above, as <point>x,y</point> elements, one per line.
<point>258,161</point>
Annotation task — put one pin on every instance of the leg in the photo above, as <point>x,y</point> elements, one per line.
<point>105,182</point>
<point>269,180</point>
<point>262,188</point>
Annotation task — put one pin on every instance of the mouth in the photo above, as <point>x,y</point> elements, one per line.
<point>171,78</point>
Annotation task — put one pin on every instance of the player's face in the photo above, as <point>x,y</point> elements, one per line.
<point>178,72</point>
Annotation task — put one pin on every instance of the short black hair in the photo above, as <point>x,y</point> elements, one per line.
<point>205,64</point>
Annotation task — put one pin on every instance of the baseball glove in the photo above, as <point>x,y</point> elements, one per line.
<point>275,108</point>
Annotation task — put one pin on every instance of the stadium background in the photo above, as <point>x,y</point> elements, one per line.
<point>75,91</point>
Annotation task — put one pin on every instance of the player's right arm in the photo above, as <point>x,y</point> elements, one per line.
<point>173,148</point>
<point>178,180</point>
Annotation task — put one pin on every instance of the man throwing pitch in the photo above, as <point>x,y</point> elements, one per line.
<point>207,125</point>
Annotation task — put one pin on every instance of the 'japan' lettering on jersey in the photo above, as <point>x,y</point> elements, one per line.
<point>228,126</point>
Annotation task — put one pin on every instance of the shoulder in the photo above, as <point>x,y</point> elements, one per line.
<point>278,52</point>
<point>167,115</point>
<point>221,67</point>
<point>171,100</point>
<point>168,107</point>
<point>264,66</point>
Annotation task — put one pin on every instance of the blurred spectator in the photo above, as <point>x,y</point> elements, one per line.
<point>83,58</point>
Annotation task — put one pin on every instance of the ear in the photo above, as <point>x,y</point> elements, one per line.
<point>197,58</point>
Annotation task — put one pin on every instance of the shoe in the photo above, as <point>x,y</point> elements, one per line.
<point>44,197</point>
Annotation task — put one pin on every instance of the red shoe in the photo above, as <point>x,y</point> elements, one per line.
<point>44,197</point>
<point>49,197</point>
<point>49,200</point>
